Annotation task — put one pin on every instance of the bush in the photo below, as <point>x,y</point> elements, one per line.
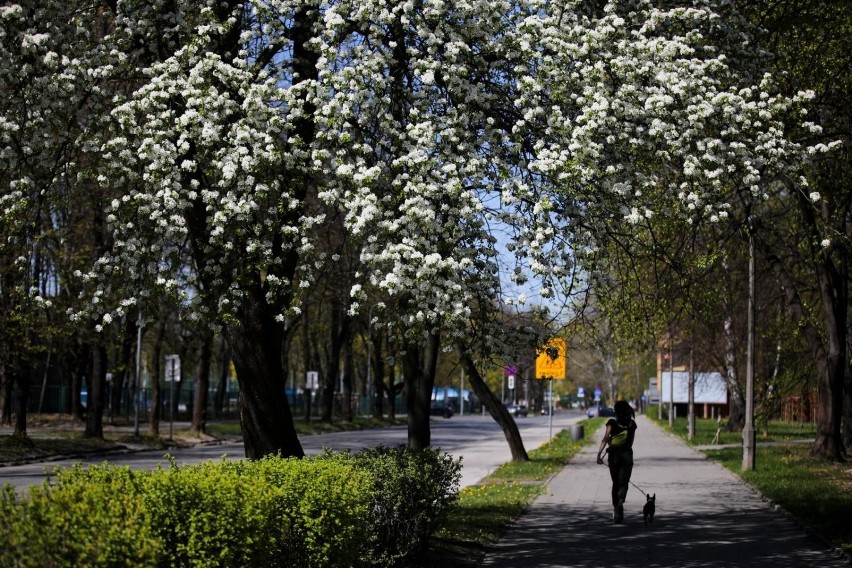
<point>372,509</point>
<point>272,512</point>
<point>81,517</point>
<point>324,503</point>
<point>413,491</point>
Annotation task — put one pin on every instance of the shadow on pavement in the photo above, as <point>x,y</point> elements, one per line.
<point>557,537</point>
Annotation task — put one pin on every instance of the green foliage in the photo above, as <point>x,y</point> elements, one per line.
<point>413,491</point>
<point>82,517</point>
<point>372,509</point>
<point>325,503</point>
<point>272,512</point>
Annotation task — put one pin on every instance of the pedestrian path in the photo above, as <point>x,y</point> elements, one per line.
<point>705,517</point>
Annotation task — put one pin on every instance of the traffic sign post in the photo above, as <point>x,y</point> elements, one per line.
<point>311,385</point>
<point>551,363</point>
<point>551,360</point>
<point>172,376</point>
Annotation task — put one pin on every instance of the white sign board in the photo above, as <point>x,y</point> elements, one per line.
<point>172,368</point>
<point>511,382</point>
<point>312,380</point>
<point>710,388</point>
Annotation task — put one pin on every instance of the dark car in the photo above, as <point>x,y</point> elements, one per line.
<point>517,409</point>
<point>600,411</point>
<point>441,408</point>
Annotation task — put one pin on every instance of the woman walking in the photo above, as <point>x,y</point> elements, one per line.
<point>619,435</point>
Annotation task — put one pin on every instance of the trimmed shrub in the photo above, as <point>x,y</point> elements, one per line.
<point>376,508</point>
<point>271,512</point>
<point>325,503</point>
<point>412,492</point>
<point>209,515</point>
<point>90,517</point>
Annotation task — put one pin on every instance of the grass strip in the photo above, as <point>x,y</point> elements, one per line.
<point>706,429</point>
<point>484,511</point>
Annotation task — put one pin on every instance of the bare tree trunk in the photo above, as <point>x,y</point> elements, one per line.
<point>202,382</point>
<point>122,385</point>
<point>736,414</point>
<point>307,351</point>
<point>5,390</point>
<point>81,369</point>
<point>222,385</point>
<point>21,382</point>
<point>392,392</point>
<point>156,376</point>
<point>378,373</point>
<point>690,415</point>
<point>419,365</point>
<point>265,416</point>
<point>335,347</point>
<point>495,408</point>
<point>97,394</point>
<point>348,370</point>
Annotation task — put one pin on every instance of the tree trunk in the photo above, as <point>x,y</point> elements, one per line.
<point>736,413</point>
<point>265,416</point>
<point>307,352</point>
<point>847,411</point>
<point>418,368</point>
<point>392,392</point>
<point>829,353</point>
<point>690,413</point>
<point>82,366</point>
<point>97,394</point>
<point>5,391</point>
<point>348,370</point>
<point>21,381</point>
<point>222,385</point>
<point>202,383</point>
<point>378,375</point>
<point>495,408</point>
<point>335,343</point>
<point>122,385</point>
<point>156,376</point>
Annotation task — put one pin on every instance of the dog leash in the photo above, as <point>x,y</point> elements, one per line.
<point>637,487</point>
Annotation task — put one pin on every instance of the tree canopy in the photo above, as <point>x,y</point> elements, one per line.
<point>218,141</point>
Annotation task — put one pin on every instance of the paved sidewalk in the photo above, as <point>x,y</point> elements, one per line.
<point>706,517</point>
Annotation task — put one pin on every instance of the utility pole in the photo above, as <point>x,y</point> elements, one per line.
<point>138,377</point>
<point>748,429</point>
<point>671,382</point>
<point>690,420</point>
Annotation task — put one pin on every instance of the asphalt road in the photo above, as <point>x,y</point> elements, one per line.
<point>476,439</point>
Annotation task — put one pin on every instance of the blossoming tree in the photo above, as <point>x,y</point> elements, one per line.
<point>422,123</point>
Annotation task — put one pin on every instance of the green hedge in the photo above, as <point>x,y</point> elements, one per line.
<point>413,491</point>
<point>375,508</point>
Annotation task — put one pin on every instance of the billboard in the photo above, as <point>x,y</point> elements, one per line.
<point>710,388</point>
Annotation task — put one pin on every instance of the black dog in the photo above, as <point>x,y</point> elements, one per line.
<point>648,509</point>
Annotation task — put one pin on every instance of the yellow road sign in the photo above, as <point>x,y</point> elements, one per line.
<point>552,360</point>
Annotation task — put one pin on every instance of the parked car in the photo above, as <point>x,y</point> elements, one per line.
<point>441,408</point>
<point>600,411</point>
<point>517,409</point>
